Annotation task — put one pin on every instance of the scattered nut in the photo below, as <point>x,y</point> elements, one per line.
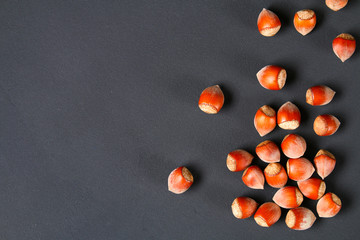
<point>268,23</point>
<point>243,207</point>
<point>336,5</point>
<point>288,197</point>
<point>319,95</point>
<point>268,151</point>
<point>328,206</point>
<point>324,163</point>
<point>267,214</point>
<point>293,146</point>
<point>272,77</point>
<point>253,177</point>
<point>265,120</point>
<point>304,21</point>
<point>299,169</point>
<point>211,100</point>
<point>344,46</point>
<point>180,180</point>
<point>312,188</point>
<point>238,160</point>
<point>326,125</point>
<point>288,116</point>
<point>275,175</point>
<point>300,218</point>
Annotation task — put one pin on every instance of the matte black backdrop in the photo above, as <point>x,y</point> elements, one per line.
<point>98,104</point>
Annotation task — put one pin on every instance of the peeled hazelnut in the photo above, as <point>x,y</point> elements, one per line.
<point>299,169</point>
<point>293,146</point>
<point>265,120</point>
<point>275,175</point>
<point>300,218</point>
<point>312,188</point>
<point>253,177</point>
<point>336,5</point>
<point>344,46</point>
<point>180,180</point>
<point>238,160</point>
<point>288,116</point>
<point>288,197</point>
<point>328,206</point>
<point>324,163</point>
<point>304,21</point>
<point>319,95</point>
<point>211,100</point>
<point>267,214</point>
<point>268,23</point>
<point>326,125</point>
<point>268,151</point>
<point>243,207</point>
<point>272,77</point>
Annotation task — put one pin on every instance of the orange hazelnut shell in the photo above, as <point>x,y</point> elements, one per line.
<point>211,100</point>
<point>180,180</point>
<point>268,23</point>
<point>265,120</point>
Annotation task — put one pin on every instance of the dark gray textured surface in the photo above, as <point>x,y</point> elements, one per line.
<point>98,103</point>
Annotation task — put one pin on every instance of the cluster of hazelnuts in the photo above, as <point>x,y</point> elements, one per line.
<point>293,146</point>
<point>304,22</point>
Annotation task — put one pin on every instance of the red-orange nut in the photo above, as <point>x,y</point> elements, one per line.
<point>267,214</point>
<point>268,151</point>
<point>288,197</point>
<point>238,160</point>
<point>304,21</point>
<point>293,146</point>
<point>211,100</point>
<point>180,180</point>
<point>268,23</point>
<point>324,163</point>
<point>344,46</point>
<point>272,77</point>
<point>300,218</point>
<point>326,125</point>
<point>275,175</point>
<point>336,5</point>
<point>288,116</point>
<point>319,95</point>
<point>312,188</point>
<point>243,207</point>
<point>253,177</point>
<point>328,206</point>
<point>299,169</point>
<point>265,120</point>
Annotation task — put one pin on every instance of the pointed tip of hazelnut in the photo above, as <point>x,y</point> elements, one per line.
<point>336,5</point>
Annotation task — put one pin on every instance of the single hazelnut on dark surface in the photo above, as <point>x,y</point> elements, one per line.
<point>180,180</point>
<point>211,100</point>
<point>268,23</point>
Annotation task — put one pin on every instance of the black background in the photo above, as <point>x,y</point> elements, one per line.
<point>98,104</point>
